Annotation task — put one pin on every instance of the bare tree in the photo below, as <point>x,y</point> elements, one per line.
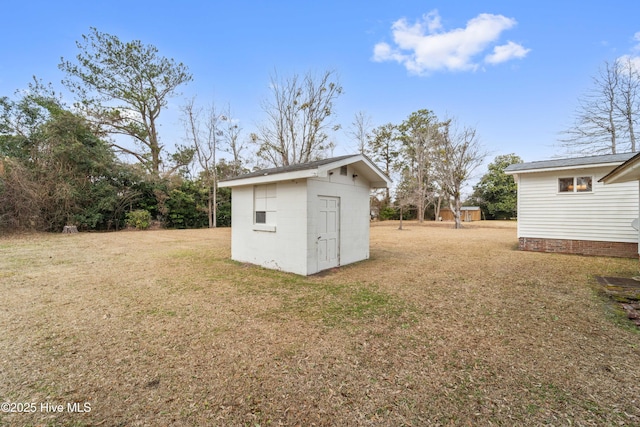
<point>204,130</point>
<point>607,114</point>
<point>628,100</point>
<point>360,130</point>
<point>233,145</point>
<point>405,193</point>
<point>419,135</point>
<point>299,116</point>
<point>459,153</point>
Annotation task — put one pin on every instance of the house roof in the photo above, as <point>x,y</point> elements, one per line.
<point>628,171</point>
<point>569,163</point>
<point>318,168</point>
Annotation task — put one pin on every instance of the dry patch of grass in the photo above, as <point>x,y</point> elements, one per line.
<point>439,327</point>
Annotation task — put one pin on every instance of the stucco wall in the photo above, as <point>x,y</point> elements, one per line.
<point>282,249</point>
<point>290,242</point>
<point>354,215</point>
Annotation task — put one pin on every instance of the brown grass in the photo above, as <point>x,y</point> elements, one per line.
<point>439,327</point>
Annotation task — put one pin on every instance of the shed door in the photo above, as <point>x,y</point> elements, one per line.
<point>328,232</point>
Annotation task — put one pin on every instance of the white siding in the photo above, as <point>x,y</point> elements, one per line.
<point>605,214</point>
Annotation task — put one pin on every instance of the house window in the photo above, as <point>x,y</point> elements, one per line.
<point>264,204</point>
<point>577,184</point>
<point>583,183</point>
<point>343,170</point>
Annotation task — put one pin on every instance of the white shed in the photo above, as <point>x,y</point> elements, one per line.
<point>563,207</point>
<point>304,218</point>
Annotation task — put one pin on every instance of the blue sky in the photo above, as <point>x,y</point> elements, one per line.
<point>512,69</point>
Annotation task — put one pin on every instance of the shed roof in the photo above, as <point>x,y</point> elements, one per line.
<point>318,168</point>
<point>568,163</point>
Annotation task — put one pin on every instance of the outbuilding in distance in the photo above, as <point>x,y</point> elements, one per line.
<point>304,218</point>
<point>467,214</point>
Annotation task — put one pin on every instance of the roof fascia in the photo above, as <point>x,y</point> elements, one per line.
<point>265,179</point>
<point>628,171</point>
<point>563,168</point>
<point>382,180</point>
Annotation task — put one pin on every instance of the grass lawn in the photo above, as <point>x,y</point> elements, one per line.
<point>439,327</point>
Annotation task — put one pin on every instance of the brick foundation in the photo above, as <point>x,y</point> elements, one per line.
<point>580,247</point>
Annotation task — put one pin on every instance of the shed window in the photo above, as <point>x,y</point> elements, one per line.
<point>264,204</point>
<point>343,170</point>
<point>577,184</point>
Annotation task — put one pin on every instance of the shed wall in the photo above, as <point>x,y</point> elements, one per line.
<point>605,214</point>
<point>354,215</point>
<point>283,249</point>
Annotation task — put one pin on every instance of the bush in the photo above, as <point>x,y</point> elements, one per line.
<point>140,219</point>
<point>387,213</point>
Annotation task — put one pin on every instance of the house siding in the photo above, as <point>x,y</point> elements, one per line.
<point>602,215</point>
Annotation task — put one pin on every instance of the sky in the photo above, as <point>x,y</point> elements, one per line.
<point>513,70</point>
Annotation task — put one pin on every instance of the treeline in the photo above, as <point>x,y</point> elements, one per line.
<point>65,165</point>
<point>56,170</point>
<point>432,160</point>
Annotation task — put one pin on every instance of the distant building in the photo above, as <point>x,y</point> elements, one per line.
<point>467,214</point>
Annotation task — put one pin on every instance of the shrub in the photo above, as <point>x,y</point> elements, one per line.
<point>388,212</point>
<point>140,219</point>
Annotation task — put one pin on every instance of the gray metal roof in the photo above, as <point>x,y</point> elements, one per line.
<point>291,168</point>
<point>570,162</point>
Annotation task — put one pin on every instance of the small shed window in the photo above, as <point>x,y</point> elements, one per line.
<point>264,204</point>
<point>343,170</point>
<point>578,184</point>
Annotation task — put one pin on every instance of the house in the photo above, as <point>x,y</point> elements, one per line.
<point>467,214</point>
<point>304,218</point>
<point>628,172</point>
<point>564,207</point>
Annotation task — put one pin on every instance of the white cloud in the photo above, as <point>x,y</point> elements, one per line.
<point>384,52</point>
<point>630,61</point>
<point>636,37</point>
<point>424,46</point>
<point>433,21</point>
<point>633,59</point>
<point>506,52</point>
